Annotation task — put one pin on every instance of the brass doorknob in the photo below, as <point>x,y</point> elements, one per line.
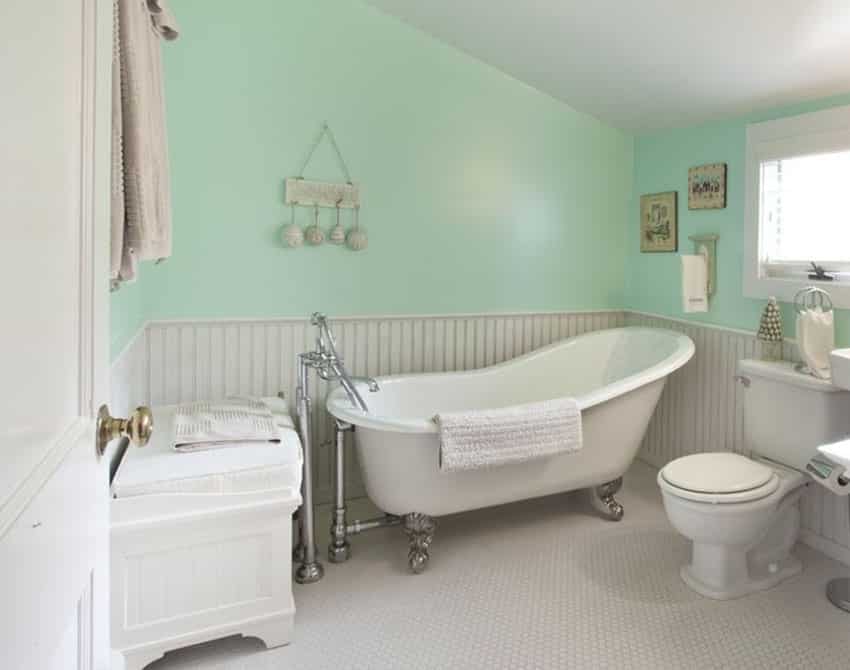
<point>138,427</point>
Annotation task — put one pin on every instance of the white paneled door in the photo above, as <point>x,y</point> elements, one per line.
<point>54,208</point>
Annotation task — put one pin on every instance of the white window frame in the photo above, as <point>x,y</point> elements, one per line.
<point>817,132</point>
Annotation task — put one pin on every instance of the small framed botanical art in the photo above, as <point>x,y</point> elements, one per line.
<point>658,223</point>
<point>707,186</point>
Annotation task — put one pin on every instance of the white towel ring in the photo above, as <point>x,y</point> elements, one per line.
<point>812,297</point>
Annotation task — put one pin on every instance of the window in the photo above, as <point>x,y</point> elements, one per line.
<point>798,204</point>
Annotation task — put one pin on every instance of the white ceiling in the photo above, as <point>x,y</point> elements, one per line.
<point>649,64</point>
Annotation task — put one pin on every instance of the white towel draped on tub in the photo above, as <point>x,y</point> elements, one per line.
<point>141,193</point>
<point>492,437</point>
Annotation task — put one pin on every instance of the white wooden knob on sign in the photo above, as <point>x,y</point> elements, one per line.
<point>314,235</point>
<point>337,235</point>
<point>357,239</point>
<point>292,235</point>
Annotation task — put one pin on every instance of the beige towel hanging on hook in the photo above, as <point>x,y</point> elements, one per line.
<point>141,192</point>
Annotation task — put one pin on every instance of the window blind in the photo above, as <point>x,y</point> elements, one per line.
<point>805,210</point>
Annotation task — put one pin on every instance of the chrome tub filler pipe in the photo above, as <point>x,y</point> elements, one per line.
<point>329,366</point>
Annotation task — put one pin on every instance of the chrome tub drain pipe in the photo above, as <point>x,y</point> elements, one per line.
<point>357,527</point>
<point>339,549</point>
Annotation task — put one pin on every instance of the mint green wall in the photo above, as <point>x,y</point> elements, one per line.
<point>479,192</point>
<point>661,162</point>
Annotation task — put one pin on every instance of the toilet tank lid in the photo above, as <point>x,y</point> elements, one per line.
<point>720,472</point>
<point>784,372</point>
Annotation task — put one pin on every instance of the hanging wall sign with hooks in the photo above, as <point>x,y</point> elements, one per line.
<point>306,193</point>
<point>309,193</point>
<point>301,192</point>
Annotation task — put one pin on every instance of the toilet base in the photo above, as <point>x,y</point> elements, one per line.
<point>760,578</point>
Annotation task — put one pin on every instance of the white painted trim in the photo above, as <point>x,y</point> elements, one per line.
<point>157,323</point>
<point>819,543</point>
<point>691,322</point>
<point>161,323</point>
<point>827,130</point>
<point>132,343</point>
<point>90,302</point>
<point>711,326</point>
<point>53,456</point>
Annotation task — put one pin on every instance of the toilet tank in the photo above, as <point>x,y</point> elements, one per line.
<point>788,414</point>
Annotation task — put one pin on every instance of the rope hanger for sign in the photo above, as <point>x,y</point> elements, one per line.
<point>325,132</point>
<point>302,192</point>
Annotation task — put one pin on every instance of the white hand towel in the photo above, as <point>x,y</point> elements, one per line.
<point>694,284</point>
<point>816,339</point>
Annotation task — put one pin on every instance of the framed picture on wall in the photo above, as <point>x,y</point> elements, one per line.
<point>707,186</point>
<point>658,222</point>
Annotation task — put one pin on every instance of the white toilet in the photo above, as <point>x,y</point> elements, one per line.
<point>742,514</point>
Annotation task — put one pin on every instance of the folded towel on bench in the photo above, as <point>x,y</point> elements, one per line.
<point>206,425</point>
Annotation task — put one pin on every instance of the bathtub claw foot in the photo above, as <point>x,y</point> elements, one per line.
<point>603,500</point>
<point>419,529</point>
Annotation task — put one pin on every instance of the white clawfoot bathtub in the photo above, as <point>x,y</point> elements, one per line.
<point>616,375</point>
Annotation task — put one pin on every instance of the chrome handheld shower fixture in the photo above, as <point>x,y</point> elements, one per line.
<point>329,366</point>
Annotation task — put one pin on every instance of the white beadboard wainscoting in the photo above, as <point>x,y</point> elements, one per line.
<point>180,361</point>
<point>700,409</point>
<point>129,376</point>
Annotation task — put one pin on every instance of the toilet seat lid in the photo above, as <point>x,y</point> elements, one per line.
<point>717,473</point>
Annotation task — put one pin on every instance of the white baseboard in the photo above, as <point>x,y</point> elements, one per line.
<point>832,549</point>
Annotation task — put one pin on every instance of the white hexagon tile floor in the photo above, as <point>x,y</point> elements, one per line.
<point>543,584</point>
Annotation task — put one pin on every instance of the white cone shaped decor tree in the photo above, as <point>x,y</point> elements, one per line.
<point>770,332</point>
